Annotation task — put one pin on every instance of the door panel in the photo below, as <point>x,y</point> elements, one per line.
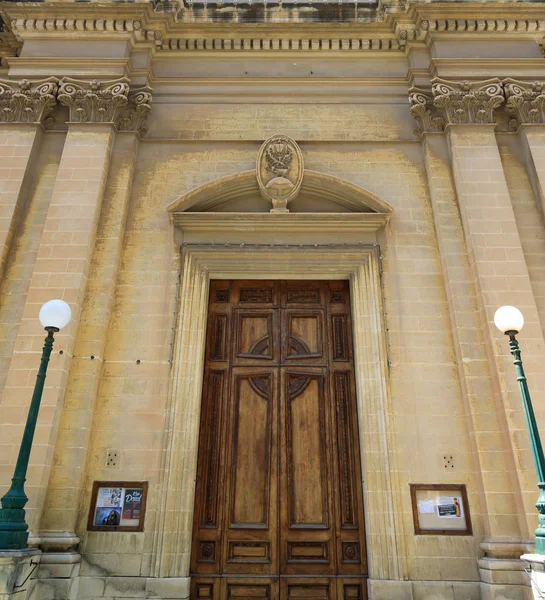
<point>306,523</point>
<point>303,337</point>
<point>255,340</point>
<point>305,444</point>
<point>308,589</point>
<point>250,589</point>
<point>279,504</point>
<point>251,529</point>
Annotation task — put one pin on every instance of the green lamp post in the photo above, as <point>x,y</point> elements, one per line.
<point>54,315</point>
<point>509,320</point>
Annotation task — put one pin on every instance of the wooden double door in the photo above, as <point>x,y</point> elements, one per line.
<point>278,505</point>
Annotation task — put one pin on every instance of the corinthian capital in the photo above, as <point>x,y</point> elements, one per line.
<point>27,101</point>
<point>93,101</point>
<point>525,100</point>
<point>135,114</point>
<point>463,102</point>
<point>424,112</point>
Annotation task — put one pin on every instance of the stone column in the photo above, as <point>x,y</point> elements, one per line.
<point>23,107</point>
<point>490,454</point>
<point>61,271</point>
<point>66,480</point>
<point>500,276</point>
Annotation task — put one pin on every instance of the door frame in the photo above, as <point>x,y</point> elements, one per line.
<point>358,262</point>
<point>280,246</point>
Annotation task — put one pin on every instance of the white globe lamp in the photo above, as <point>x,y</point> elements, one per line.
<point>509,318</point>
<point>54,315</point>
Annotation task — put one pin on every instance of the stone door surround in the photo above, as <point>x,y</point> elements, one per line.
<point>280,246</point>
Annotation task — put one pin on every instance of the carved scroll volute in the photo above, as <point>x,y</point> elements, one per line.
<point>464,102</point>
<point>279,171</point>
<point>135,115</point>
<point>525,100</point>
<point>422,109</point>
<point>27,101</point>
<point>93,101</point>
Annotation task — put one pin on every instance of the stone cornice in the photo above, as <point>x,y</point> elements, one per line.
<point>25,101</point>
<point>525,100</point>
<point>467,102</point>
<point>93,101</point>
<point>169,32</point>
<point>280,223</point>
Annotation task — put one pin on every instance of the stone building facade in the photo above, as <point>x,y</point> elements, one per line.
<point>129,139</point>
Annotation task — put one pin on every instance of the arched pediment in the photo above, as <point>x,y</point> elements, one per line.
<point>240,193</point>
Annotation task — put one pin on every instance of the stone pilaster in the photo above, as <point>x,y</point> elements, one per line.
<point>500,276</point>
<point>72,442</point>
<point>62,270</point>
<point>526,104</point>
<point>23,107</point>
<point>499,512</point>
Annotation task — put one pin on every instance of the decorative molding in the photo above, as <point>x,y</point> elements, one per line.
<point>482,25</point>
<point>289,44</point>
<point>280,223</point>
<point>425,113</point>
<point>463,102</point>
<point>525,100</point>
<point>170,27</point>
<point>27,101</point>
<point>86,25</point>
<point>279,171</point>
<point>208,197</point>
<point>135,114</point>
<point>172,543</point>
<point>93,101</point>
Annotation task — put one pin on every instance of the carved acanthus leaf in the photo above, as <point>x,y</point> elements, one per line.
<point>93,101</point>
<point>27,101</point>
<point>525,100</point>
<point>424,112</point>
<point>467,101</point>
<point>135,114</point>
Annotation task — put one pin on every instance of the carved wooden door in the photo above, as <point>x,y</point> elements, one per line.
<point>278,503</point>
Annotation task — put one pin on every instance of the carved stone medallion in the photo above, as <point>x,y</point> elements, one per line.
<point>279,171</point>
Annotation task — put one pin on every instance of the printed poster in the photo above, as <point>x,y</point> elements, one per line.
<point>132,506</point>
<point>108,511</point>
<point>450,507</point>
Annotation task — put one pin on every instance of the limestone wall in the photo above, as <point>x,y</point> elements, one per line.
<point>466,234</point>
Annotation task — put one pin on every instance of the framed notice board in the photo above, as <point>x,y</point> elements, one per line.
<point>118,506</point>
<point>440,509</point>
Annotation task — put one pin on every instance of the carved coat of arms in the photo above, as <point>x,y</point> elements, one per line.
<point>279,171</point>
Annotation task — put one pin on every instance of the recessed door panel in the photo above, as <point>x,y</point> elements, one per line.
<point>255,340</point>
<point>251,448</point>
<point>303,340</point>
<point>279,505</point>
<point>306,466</point>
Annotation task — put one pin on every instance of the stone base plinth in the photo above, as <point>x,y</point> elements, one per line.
<point>17,572</point>
<point>536,567</point>
<point>503,579</point>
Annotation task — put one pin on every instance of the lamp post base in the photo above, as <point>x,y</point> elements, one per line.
<point>13,529</point>
<point>536,569</point>
<point>17,568</point>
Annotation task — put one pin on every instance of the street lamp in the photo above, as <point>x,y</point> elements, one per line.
<point>54,315</point>
<point>509,320</point>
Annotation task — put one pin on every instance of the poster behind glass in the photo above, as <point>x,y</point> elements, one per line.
<point>117,506</point>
